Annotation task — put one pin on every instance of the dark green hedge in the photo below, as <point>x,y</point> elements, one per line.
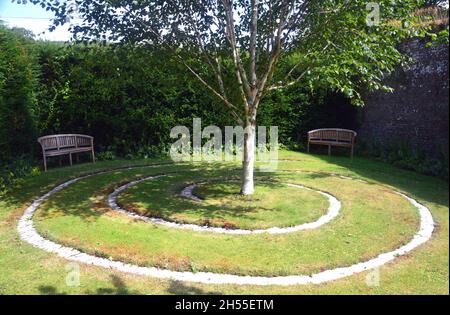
<point>125,98</point>
<point>128,99</point>
<point>17,96</point>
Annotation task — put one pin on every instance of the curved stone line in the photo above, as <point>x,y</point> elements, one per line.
<point>333,211</point>
<point>188,192</point>
<point>29,234</point>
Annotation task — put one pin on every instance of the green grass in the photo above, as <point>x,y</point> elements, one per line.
<point>382,222</point>
<point>222,204</point>
<point>373,220</point>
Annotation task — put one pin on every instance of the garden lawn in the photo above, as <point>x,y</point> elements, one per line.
<point>222,205</point>
<point>372,220</point>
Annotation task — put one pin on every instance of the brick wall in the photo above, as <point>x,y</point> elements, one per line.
<point>418,110</point>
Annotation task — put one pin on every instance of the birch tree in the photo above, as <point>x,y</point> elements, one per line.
<point>250,47</point>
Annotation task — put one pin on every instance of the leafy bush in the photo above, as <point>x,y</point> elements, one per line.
<point>12,174</point>
<point>17,98</point>
<point>137,97</point>
<point>106,156</point>
<point>125,98</point>
<point>402,155</point>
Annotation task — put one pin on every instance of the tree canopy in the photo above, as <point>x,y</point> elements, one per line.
<point>344,45</point>
<point>337,43</point>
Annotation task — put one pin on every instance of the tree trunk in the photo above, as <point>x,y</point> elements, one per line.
<point>248,160</point>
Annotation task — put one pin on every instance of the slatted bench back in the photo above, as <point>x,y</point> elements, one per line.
<point>49,143</point>
<point>61,142</point>
<point>338,135</point>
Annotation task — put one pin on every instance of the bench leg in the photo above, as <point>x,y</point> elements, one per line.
<point>329,150</point>
<point>45,163</point>
<point>93,156</point>
<point>308,147</point>
<point>70,158</point>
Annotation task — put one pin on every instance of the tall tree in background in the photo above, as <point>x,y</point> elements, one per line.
<point>17,82</point>
<point>253,46</point>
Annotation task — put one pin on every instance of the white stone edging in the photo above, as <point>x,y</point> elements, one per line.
<point>188,192</point>
<point>28,233</point>
<point>333,211</point>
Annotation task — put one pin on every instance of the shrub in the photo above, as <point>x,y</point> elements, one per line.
<point>17,98</point>
<point>106,156</point>
<point>402,155</point>
<point>13,173</point>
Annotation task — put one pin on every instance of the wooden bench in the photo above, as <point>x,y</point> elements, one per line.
<point>333,137</point>
<point>67,144</point>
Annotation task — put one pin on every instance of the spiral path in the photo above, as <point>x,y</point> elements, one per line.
<point>333,211</point>
<point>28,233</point>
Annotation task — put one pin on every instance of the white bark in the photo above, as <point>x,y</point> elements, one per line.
<point>248,161</point>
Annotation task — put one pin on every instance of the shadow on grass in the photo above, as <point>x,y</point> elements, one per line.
<point>165,200</point>
<point>426,188</point>
<point>175,287</point>
<point>119,288</point>
<point>75,200</point>
<point>49,290</point>
<point>34,187</point>
<point>180,288</point>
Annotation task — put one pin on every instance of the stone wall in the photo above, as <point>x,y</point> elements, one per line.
<point>417,113</point>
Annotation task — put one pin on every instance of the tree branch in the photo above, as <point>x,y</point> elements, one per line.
<point>217,71</point>
<point>253,39</point>
<point>285,12</point>
<point>241,74</point>
<point>228,104</point>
